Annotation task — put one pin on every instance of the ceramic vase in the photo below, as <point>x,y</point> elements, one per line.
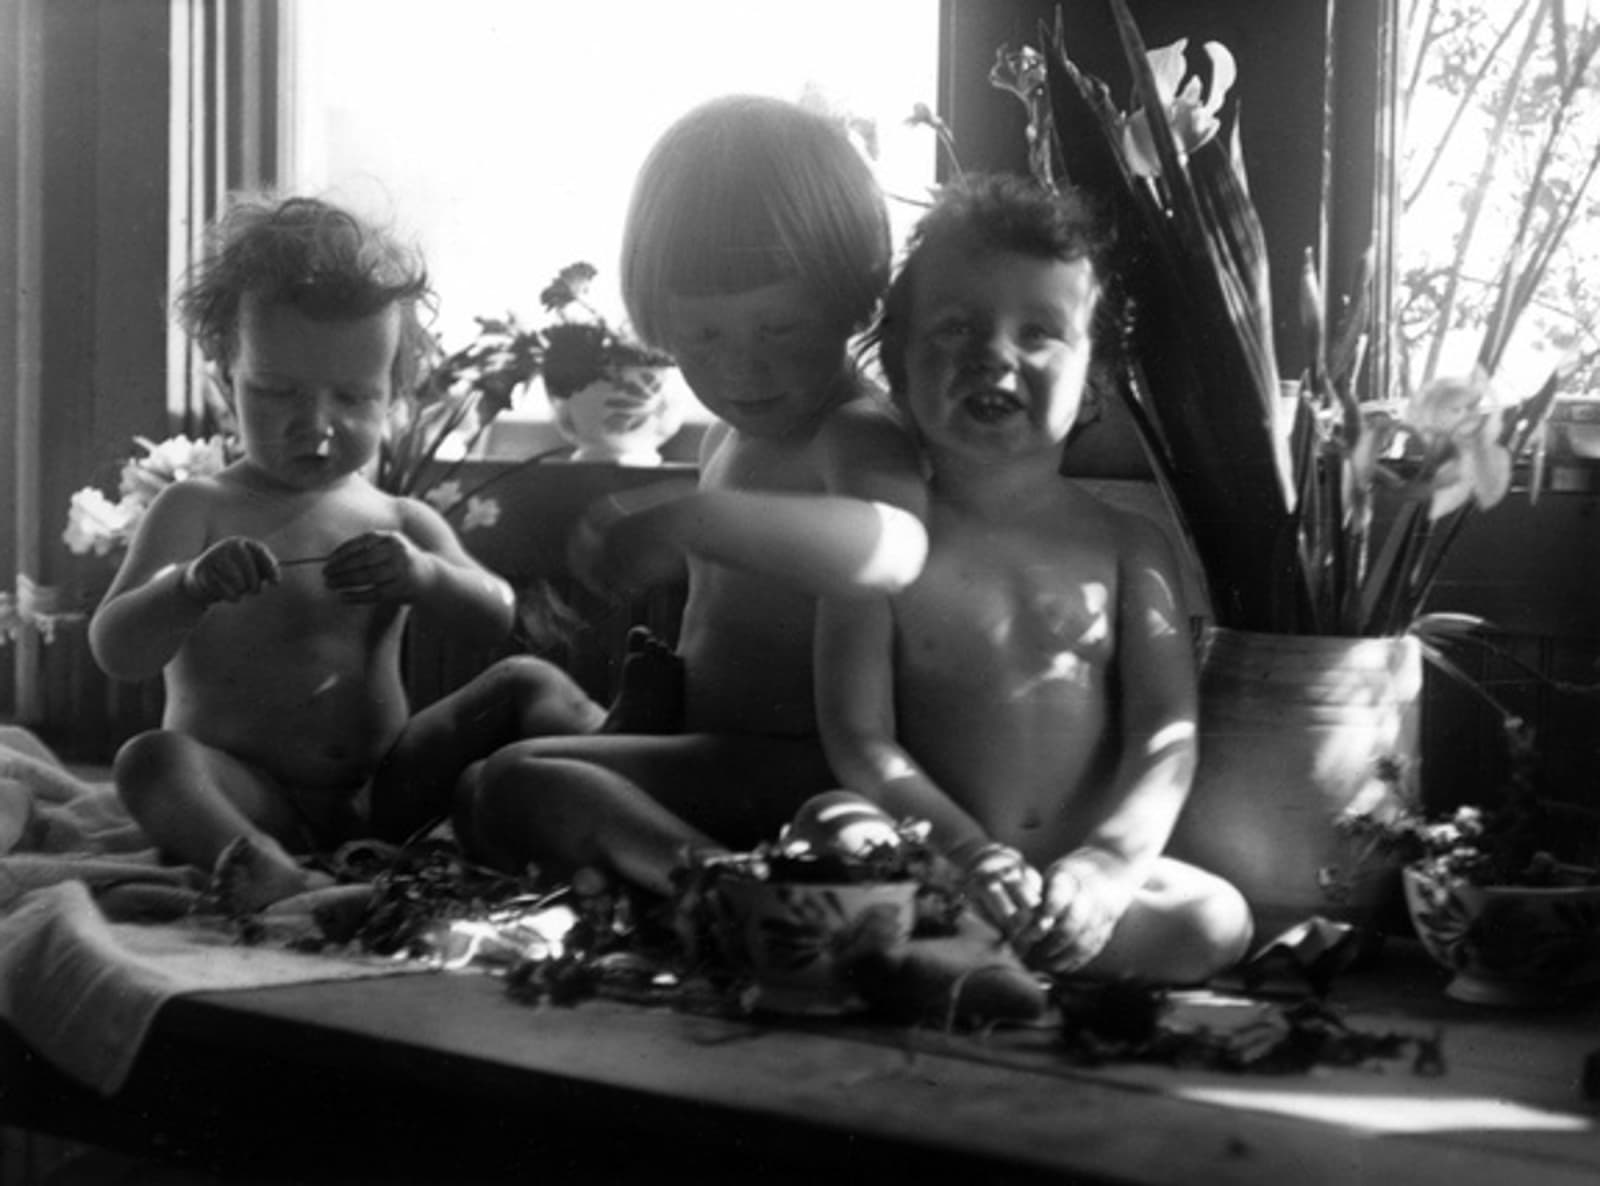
<point>1295,731</point>
<point>623,417</point>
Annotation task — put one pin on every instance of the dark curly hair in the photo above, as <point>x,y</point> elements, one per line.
<point>311,256</point>
<point>1005,211</point>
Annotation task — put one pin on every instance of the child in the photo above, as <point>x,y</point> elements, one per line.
<point>273,595</point>
<point>756,244</point>
<point>1032,695</point>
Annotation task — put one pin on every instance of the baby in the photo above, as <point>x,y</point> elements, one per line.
<point>1032,695</point>
<point>273,596</point>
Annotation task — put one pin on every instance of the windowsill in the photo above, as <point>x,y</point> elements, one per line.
<point>511,437</point>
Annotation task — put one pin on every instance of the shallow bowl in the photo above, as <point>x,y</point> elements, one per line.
<point>1508,945</point>
<point>794,938</point>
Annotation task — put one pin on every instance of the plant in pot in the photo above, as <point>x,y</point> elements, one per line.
<point>613,397</point>
<point>1318,510</point>
<point>1504,894</point>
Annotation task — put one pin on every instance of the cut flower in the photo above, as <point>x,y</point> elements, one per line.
<point>1193,116</point>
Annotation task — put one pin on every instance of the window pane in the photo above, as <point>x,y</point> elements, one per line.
<point>1502,122</point>
<point>505,134</point>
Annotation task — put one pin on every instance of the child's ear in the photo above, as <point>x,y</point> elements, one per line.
<point>221,376</point>
<point>561,412</point>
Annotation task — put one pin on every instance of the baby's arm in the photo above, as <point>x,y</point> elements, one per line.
<point>856,715</point>
<point>423,565</point>
<point>1087,890</point>
<point>168,580</point>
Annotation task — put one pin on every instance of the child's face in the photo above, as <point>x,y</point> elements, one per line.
<point>312,397</point>
<point>998,349</point>
<point>766,360</point>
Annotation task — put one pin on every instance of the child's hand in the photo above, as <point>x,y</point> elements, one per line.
<point>617,549</point>
<point>1081,906</point>
<point>1001,886</point>
<point>228,570</point>
<point>377,567</point>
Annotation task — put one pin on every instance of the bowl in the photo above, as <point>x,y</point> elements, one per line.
<point>1508,945</point>
<point>794,939</point>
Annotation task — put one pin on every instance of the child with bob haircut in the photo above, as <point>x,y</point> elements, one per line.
<point>1033,694</point>
<point>273,596</point>
<point>756,244</point>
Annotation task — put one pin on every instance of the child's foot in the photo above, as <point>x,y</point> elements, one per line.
<point>649,688</point>
<point>252,873</point>
<point>966,978</point>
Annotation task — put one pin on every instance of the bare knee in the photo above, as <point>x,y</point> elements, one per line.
<point>145,765</point>
<point>1222,926</point>
<point>505,808</point>
<point>1185,928</point>
<point>546,700</point>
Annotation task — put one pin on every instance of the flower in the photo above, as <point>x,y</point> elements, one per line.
<point>1521,837</point>
<point>1193,119</point>
<point>1329,513</point>
<point>96,524</point>
<point>582,346</point>
<point>1454,425</point>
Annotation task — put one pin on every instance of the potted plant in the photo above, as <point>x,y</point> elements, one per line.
<point>1503,894</point>
<point>612,396</point>
<point>1317,509</point>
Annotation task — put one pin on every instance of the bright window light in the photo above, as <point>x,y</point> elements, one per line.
<point>504,135</point>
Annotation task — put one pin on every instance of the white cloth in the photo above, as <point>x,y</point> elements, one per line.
<point>80,989</point>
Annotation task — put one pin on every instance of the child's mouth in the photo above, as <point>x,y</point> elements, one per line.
<point>991,407</point>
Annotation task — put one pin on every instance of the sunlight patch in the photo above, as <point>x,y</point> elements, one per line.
<point>1394,1113</point>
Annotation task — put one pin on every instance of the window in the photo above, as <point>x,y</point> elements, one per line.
<point>1501,104</point>
<point>504,134</point>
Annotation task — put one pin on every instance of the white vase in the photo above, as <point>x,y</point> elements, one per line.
<point>1295,730</point>
<point>624,417</point>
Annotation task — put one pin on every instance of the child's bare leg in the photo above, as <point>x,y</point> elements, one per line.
<point>632,804</point>
<point>206,808</point>
<point>1184,927</point>
<point>515,699</point>
<point>562,815</point>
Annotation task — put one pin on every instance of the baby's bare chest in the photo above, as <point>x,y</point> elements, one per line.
<point>1000,601</point>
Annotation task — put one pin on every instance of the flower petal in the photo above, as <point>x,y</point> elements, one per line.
<point>1224,73</point>
<point>1169,64</point>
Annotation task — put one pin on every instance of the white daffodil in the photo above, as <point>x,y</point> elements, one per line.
<point>1190,107</point>
<point>1457,422</point>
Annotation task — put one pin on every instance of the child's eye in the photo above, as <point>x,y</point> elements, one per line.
<point>779,331</point>
<point>952,329</point>
<point>357,399</point>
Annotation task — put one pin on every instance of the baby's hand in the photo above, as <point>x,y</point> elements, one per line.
<point>1001,886</point>
<point>377,567</point>
<point>228,570</point>
<point>1081,907</point>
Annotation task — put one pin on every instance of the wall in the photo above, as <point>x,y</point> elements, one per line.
<point>83,206</point>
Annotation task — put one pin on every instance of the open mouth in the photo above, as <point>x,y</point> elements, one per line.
<point>991,407</point>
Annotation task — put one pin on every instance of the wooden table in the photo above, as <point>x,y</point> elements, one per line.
<point>445,1078</point>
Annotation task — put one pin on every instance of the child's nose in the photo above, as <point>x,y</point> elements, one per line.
<point>990,354</point>
<point>316,414</point>
<point>743,367</point>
